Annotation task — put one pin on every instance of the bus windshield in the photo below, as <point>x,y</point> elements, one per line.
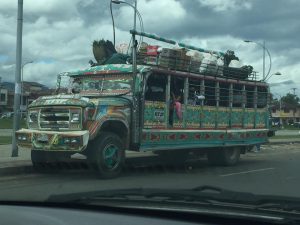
<point>103,85</point>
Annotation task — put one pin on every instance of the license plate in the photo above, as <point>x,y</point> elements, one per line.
<point>43,138</point>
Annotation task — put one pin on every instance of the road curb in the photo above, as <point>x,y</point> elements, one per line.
<point>280,143</point>
<point>16,170</point>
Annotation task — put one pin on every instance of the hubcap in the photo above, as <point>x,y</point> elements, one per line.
<point>110,155</point>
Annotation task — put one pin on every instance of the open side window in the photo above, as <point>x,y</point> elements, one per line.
<point>210,93</point>
<point>155,89</point>
<point>224,95</point>
<point>262,97</point>
<point>237,95</point>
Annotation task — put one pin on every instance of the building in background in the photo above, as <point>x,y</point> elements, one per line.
<point>286,115</point>
<point>3,97</point>
<point>31,91</point>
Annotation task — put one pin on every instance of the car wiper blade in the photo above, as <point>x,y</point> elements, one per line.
<point>268,202</point>
<point>170,194</point>
<point>201,194</point>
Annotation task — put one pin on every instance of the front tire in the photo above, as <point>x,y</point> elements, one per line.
<point>107,155</point>
<point>228,156</point>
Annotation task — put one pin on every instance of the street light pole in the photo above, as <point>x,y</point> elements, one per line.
<point>264,60</point>
<point>276,74</point>
<point>280,108</point>
<point>134,41</point>
<point>136,112</point>
<point>16,123</point>
<point>136,125</point>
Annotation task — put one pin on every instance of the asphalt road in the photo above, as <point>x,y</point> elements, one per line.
<point>274,171</point>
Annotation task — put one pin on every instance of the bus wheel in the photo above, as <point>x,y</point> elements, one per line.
<point>228,156</point>
<point>108,155</point>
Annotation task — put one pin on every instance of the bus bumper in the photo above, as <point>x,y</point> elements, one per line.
<point>75,141</point>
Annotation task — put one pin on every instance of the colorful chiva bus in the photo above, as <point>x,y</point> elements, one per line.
<point>170,104</point>
<point>110,109</point>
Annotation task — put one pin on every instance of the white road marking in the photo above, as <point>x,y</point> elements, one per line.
<point>244,172</point>
<point>292,178</point>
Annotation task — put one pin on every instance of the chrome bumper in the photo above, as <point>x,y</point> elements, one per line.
<point>53,140</point>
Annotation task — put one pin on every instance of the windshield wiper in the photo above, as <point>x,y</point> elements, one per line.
<point>202,194</point>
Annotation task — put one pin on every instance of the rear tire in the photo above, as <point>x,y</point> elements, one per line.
<point>107,155</point>
<point>228,156</point>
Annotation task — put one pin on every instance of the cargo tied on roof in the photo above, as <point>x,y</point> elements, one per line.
<point>181,57</point>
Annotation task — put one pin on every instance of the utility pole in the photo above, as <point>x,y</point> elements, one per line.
<point>136,124</point>
<point>280,109</point>
<point>136,128</point>
<point>16,123</point>
<point>264,60</point>
<point>294,93</point>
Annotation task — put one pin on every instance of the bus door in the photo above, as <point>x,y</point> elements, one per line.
<point>155,102</point>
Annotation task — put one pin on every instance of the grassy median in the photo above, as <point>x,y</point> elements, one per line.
<point>7,123</point>
<point>5,140</point>
<point>285,137</point>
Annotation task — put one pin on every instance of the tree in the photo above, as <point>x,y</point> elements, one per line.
<point>290,100</point>
<point>275,102</point>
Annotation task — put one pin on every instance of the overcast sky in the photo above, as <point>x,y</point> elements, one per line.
<point>58,34</point>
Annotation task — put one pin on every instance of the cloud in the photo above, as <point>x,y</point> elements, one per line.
<point>171,14</point>
<point>289,79</point>
<point>7,37</point>
<point>44,73</point>
<point>229,5</point>
<point>53,9</point>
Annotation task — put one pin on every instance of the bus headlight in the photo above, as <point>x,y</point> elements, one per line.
<point>75,118</point>
<point>32,118</point>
